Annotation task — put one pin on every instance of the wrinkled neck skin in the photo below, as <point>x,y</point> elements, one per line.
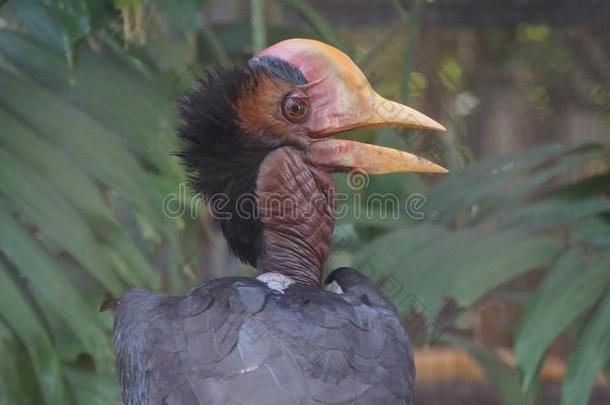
<point>296,207</point>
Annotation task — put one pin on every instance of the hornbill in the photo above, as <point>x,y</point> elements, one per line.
<point>255,140</point>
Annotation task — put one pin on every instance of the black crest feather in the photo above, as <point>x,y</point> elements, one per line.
<point>222,160</point>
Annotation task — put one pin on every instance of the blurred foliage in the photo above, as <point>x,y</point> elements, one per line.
<point>496,224</point>
<point>87,131</point>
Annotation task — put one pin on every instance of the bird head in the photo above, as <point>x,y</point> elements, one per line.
<point>259,134</point>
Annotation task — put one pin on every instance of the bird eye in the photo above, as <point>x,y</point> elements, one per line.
<point>295,108</point>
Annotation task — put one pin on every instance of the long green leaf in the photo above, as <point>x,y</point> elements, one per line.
<point>573,285</point>
<point>403,242</point>
<point>48,162</point>
<point>16,385</point>
<point>57,172</point>
<point>47,68</point>
<point>593,231</point>
<point>93,388</point>
<point>591,353</point>
<point>51,288</point>
<point>54,216</point>
<point>39,20</point>
<point>431,263</point>
<point>502,377</point>
<point>505,198</point>
<point>472,263</point>
<point>457,193</point>
<point>481,270</point>
<point>129,106</point>
<point>96,150</point>
<point>555,212</point>
<point>22,319</point>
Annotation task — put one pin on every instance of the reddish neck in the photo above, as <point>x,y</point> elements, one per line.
<point>296,207</point>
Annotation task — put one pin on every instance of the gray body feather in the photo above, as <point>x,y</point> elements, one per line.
<point>234,341</point>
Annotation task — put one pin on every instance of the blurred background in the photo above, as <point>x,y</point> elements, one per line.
<point>500,269</point>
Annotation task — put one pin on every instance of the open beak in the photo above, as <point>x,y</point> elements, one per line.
<point>342,155</point>
<point>341,99</point>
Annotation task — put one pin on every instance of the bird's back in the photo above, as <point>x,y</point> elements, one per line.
<point>236,341</point>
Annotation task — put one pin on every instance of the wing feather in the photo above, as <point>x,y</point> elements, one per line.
<point>234,341</point>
